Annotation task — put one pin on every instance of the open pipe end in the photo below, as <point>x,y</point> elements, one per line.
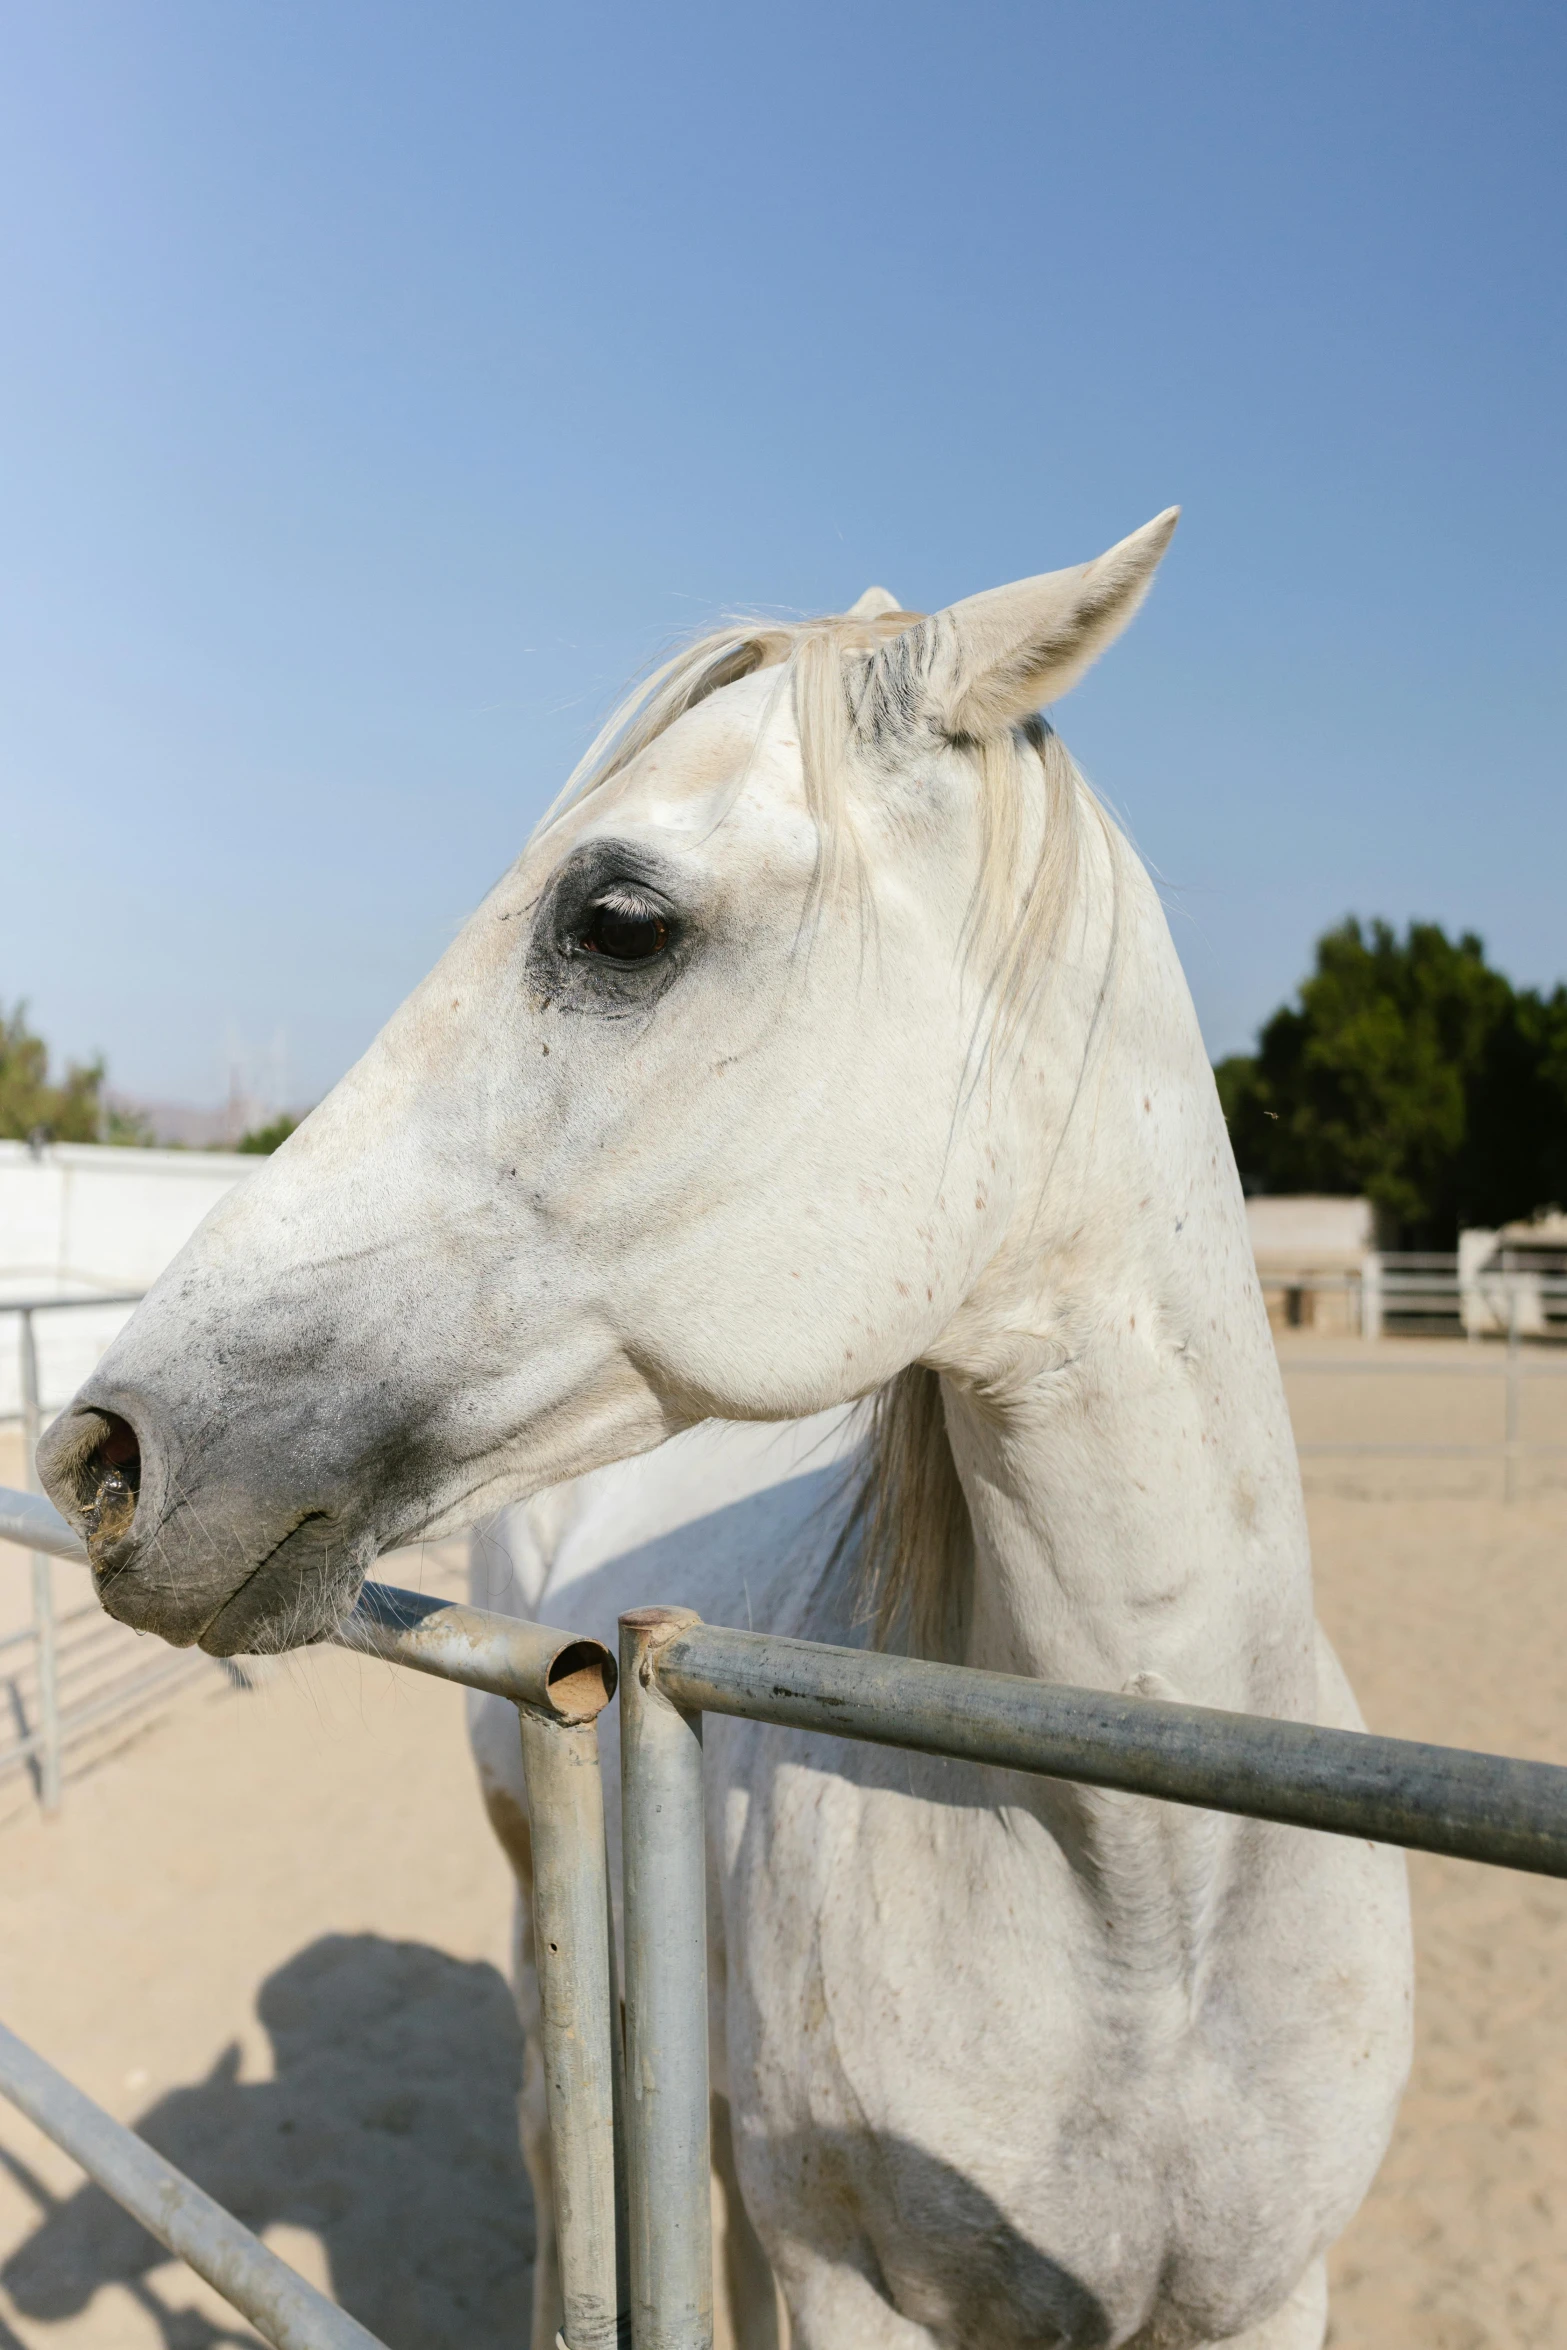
<point>581,1680</point>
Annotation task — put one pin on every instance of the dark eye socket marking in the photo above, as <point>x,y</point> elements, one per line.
<point>622,925</point>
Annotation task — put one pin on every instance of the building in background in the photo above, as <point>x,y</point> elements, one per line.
<point>1317,1261</point>
<point>1515,1277</point>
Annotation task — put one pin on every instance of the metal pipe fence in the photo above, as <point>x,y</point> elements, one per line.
<point>1426,1289</point>
<point>1528,1310</point>
<point>674,1669</point>
<point>559,1685</point>
<point>44,1742</point>
<point>1515,1371</point>
<point>171,2207</point>
<point>628,2097</point>
<point>664,1886</point>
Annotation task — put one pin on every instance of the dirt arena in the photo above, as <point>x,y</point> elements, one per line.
<point>271,1931</point>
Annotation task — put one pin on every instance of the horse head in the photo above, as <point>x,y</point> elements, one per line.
<point>699,1117</point>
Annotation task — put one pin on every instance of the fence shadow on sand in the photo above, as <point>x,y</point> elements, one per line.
<point>389,2130</point>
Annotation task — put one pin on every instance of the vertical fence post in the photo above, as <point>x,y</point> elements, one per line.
<point>669,2155</point>
<point>1514,1366</point>
<point>579,2024</point>
<point>44,1649</point>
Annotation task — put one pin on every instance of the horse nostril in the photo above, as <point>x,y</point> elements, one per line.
<point>113,1480</point>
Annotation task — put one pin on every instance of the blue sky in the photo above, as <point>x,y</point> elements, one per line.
<point>379,384</point>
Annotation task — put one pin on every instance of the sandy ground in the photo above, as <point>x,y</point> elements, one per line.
<point>272,1933</point>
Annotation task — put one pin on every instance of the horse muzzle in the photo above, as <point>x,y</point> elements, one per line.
<point>228,1565</point>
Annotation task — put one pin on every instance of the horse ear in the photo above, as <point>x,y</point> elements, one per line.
<point>875,604</point>
<point>979,667</point>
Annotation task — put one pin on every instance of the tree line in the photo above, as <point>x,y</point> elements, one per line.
<point>74,1107</point>
<point>1409,1071</point>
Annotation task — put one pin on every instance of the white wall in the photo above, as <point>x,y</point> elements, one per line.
<point>1307,1231</point>
<point>76,1218</point>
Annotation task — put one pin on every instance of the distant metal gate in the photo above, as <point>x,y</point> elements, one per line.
<point>633,2202</point>
<point>66,1678</point>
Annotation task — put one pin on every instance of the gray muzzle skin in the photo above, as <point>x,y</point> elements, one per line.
<point>199,1561</point>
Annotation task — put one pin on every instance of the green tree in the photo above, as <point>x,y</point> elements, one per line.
<point>70,1111</point>
<point>128,1129</point>
<point>1408,1070</point>
<point>1515,1155</point>
<point>265,1139</point>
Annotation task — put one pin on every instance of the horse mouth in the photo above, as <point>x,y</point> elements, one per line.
<point>294,1597</point>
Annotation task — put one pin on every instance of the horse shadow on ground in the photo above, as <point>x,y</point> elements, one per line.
<point>389,2130</point>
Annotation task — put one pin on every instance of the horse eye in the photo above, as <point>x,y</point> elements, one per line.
<point>625,928</point>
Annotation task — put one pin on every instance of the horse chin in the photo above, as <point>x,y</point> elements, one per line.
<point>296,1597</point>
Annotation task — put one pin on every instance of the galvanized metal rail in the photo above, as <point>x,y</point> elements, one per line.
<point>664,1880</point>
<point>279,2303</point>
<point>565,1678</point>
<point>1390,1790</point>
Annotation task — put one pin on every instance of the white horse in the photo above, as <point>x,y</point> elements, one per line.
<point>827,1043</point>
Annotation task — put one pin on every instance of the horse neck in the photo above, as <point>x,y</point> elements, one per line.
<point>1112,1396</point>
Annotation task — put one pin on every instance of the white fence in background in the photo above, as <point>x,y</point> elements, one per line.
<point>1437,1294</point>
<point>65,1676</point>
<point>84,1231</point>
<point>79,1220</point>
<point>1434,1297</point>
